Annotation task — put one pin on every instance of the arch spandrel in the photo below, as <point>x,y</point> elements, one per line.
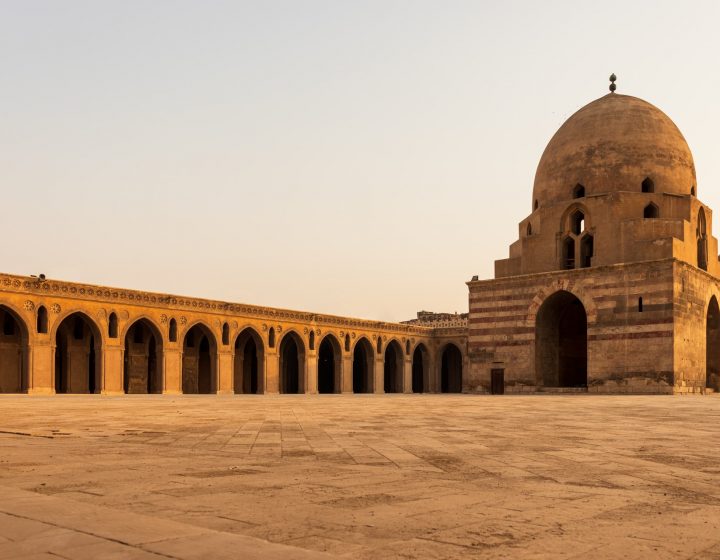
<point>562,285</point>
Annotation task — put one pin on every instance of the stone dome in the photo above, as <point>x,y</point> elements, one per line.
<point>614,144</point>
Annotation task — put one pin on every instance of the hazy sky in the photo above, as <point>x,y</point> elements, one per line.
<point>360,158</point>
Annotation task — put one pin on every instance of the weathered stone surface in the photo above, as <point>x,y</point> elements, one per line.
<point>366,476</point>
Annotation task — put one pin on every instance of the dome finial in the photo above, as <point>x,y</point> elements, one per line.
<point>613,87</point>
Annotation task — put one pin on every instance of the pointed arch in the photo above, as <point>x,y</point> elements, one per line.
<point>651,211</point>
<point>648,185</point>
<point>113,325</point>
<point>172,330</point>
<point>393,367</point>
<point>199,361</point>
<point>226,334</point>
<point>78,354</point>
<point>329,365</point>
<point>249,362</point>
<point>14,351</point>
<point>702,244</point>
<point>311,340</point>
<point>561,341</point>
<point>292,363</point>
<point>143,358</point>
<point>271,337</point>
<point>42,320</point>
<point>451,369</point>
<point>419,369</point>
<point>363,366</point>
<point>712,345</point>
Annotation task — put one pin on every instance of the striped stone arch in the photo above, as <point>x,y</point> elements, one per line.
<point>567,285</point>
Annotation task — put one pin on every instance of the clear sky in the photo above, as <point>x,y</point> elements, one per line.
<point>360,158</point>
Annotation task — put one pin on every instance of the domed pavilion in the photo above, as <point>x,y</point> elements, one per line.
<point>612,285</point>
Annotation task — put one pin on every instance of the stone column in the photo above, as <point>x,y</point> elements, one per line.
<point>111,379</point>
<point>407,375</point>
<point>272,371</point>
<point>347,373</point>
<point>379,381</point>
<point>41,360</point>
<point>172,371</point>
<point>311,371</point>
<point>226,372</point>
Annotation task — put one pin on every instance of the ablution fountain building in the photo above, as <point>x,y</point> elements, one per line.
<point>611,287</point>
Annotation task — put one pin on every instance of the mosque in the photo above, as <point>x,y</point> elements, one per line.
<point>611,287</point>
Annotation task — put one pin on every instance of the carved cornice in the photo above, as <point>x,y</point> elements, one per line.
<point>105,294</point>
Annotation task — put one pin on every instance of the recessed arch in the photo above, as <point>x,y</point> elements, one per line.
<point>14,352</point>
<point>113,325</point>
<point>292,363</point>
<point>347,343</point>
<point>419,369</point>
<point>311,340</point>
<point>529,229</point>
<point>271,338</point>
<point>379,345</point>
<point>249,363</point>
<point>651,211</point>
<point>712,345</point>
<point>702,244</point>
<point>451,369</point>
<point>692,190</point>
<point>587,250</point>
<point>648,185</point>
<point>363,366</point>
<point>199,361</point>
<point>578,191</point>
<point>78,355</point>
<point>226,334</point>
<point>561,341</point>
<point>143,358</point>
<point>172,331</point>
<point>568,253</point>
<point>536,205</point>
<point>577,222</point>
<point>42,320</point>
<point>393,367</point>
<point>329,365</point>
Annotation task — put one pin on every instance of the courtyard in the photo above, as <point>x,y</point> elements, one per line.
<point>359,476</point>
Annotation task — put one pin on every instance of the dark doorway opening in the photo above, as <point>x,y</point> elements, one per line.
<point>418,370</point>
<point>329,366</point>
<point>393,368</point>
<point>249,363</point>
<point>13,352</point>
<point>77,355</point>
<point>451,370</point>
<point>497,381</point>
<point>292,364</point>
<point>142,371</point>
<point>712,346</point>
<point>362,367</point>
<point>199,361</point>
<point>561,342</point>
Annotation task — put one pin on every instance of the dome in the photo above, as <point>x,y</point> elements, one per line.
<point>614,144</point>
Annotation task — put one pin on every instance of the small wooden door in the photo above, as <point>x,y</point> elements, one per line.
<point>497,381</point>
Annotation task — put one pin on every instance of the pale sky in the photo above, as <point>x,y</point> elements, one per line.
<point>356,158</point>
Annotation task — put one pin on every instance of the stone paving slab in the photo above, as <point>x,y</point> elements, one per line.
<point>360,476</point>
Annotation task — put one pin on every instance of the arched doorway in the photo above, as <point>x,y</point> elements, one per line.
<point>363,366</point>
<point>142,367</point>
<point>393,368</point>
<point>13,352</point>
<point>419,377</point>
<point>249,377</point>
<point>329,366</point>
<point>78,355</point>
<point>451,364</point>
<point>712,346</point>
<point>561,342</point>
<point>292,364</point>
<point>199,361</point>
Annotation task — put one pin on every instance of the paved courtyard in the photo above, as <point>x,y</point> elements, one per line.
<point>361,476</point>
